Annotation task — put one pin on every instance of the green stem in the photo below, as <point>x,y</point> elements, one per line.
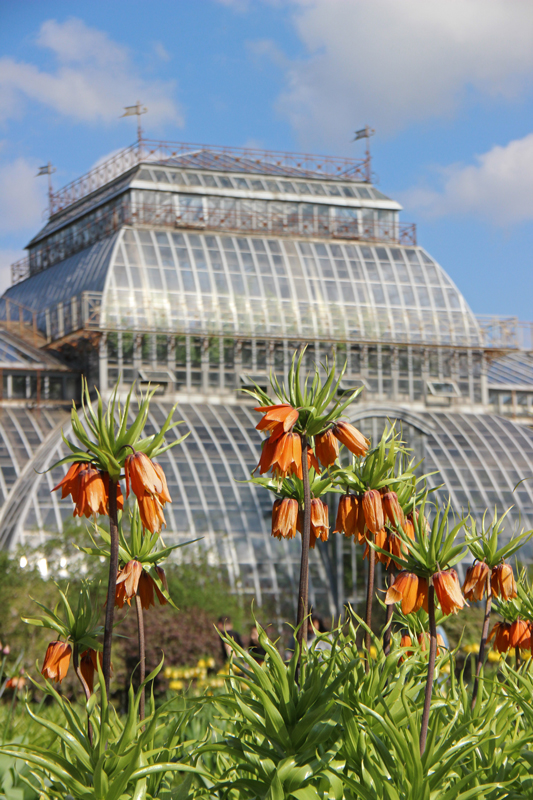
<point>77,670</point>
<point>142,648</point>
<point>303,590</point>
<point>431,666</point>
<point>388,625</point>
<point>484,637</point>
<point>112,584</point>
<point>369,599</point>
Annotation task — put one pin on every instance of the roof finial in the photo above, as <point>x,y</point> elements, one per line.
<point>366,133</point>
<point>136,110</point>
<point>48,170</point>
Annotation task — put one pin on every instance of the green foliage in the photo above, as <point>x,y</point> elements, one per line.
<point>318,404</point>
<point>81,626</point>
<point>483,545</point>
<point>113,439</point>
<point>127,759</point>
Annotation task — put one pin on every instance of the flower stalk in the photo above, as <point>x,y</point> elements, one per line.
<point>303,590</point>
<point>390,612</point>
<point>112,583</point>
<point>369,599</point>
<point>431,666</point>
<point>484,636</point>
<point>142,650</point>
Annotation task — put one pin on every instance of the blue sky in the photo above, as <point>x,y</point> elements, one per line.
<point>447,87</point>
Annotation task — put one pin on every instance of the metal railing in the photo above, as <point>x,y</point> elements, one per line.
<point>270,223</point>
<point>204,156</point>
<point>21,320</point>
<point>506,332</point>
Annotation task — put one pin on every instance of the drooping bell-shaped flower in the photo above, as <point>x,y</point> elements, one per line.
<point>346,521</point>
<point>284,518</point>
<point>351,438</point>
<point>319,521</point>
<point>448,591</point>
<point>475,584</point>
<point>520,634</point>
<point>277,419</point>
<point>327,448</point>
<point>142,476</point>
<point>373,510</point>
<point>92,495</point>
<point>404,589</point>
<point>56,661</point>
<point>501,635</point>
<point>392,509</point>
<point>502,582</point>
<point>70,485</point>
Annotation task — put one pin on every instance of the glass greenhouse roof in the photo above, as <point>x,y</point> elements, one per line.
<point>199,283</point>
<point>515,369</point>
<point>481,459</point>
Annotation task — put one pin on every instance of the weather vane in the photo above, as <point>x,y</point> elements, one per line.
<point>136,110</point>
<point>48,169</point>
<point>366,133</point>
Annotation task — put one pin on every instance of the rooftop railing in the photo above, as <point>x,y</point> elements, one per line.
<point>203,156</point>
<point>268,223</point>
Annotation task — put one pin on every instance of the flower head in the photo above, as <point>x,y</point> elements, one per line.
<point>147,589</point>
<point>392,509</point>
<point>17,682</point>
<point>327,448</point>
<point>319,521</point>
<point>501,635</point>
<point>284,518</point>
<point>424,639</point>
<point>151,513</point>
<point>502,582</point>
<point>88,666</point>
<point>287,458</point>
<point>373,510</point>
<point>71,482</point>
<point>448,591</point>
<point>312,461</point>
<point>404,588</point>
<point>351,438</point>
<point>142,475</point>
<point>92,495</point>
<point>347,513</point>
<point>475,583</point>
<point>277,420</point>
<point>56,661</point>
<point>127,582</point>
<point>520,634</point>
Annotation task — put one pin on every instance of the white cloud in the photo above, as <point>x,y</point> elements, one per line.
<point>8,257</point>
<point>496,189</point>
<point>391,63</point>
<point>94,79</point>
<point>22,196</point>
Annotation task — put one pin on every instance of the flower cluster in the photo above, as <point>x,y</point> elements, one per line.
<point>501,577</point>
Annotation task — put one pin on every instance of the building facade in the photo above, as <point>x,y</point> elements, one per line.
<point>202,269</point>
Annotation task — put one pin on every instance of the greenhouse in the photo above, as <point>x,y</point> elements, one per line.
<point>203,270</point>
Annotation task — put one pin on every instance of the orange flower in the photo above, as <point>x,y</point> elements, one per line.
<point>351,438</point>
<point>284,518</point>
<point>151,512</point>
<point>448,591</point>
<point>92,496</point>
<point>18,682</point>
<point>405,641</point>
<point>327,448</point>
<point>319,521</point>
<point>140,471</point>
<point>147,587</point>
<point>56,661</point>
<point>380,538</point>
<point>409,528</point>
<point>502,582</point>
<point>347,513</point>
<point>501,635</point>
<point>476,581</point>
<point>311,461</point>
<point>373,511</point>
<point>423,641</point>
<point>71,482</point>
<point>268,452</point>
<point>392,509</point>
<point>88,666</point>
<point>287,459</point>
<point>404,588</point>
<point>520,634</point>
<point>278,419</point>
<point>127,583</point>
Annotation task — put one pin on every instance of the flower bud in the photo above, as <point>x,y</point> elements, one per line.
<point>373,510</point>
